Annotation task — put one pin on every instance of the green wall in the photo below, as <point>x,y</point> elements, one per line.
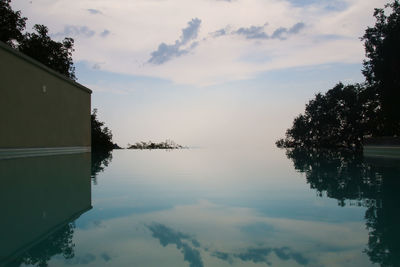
<point>39,107</point>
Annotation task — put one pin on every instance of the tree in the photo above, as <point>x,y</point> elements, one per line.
<point>382,68</point>
<point>55,55</point>
<point>11,24</point>
<point>345,114</point>
<point>38,45</point>
<point>330,120</point>
<point>101,136</point>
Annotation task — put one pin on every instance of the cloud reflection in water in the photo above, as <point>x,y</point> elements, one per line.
<point>183,242</point>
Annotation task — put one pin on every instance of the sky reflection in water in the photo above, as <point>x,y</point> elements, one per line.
<point>204,207</point>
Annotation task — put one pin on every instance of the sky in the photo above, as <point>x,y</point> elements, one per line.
<point>207,72</point>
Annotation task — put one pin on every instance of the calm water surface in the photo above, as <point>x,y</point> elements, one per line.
<point>200,207</point>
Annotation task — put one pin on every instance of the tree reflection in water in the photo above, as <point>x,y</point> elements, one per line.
<point>370,182</point>
<point>100,161</point>
<point>59,242</point>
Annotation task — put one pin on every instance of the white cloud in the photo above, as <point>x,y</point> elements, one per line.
<point>139,27</point>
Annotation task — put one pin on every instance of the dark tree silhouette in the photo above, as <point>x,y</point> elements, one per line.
<point>11,24</point>
<point>55,55</point>
<point>38,45</point>
<point>59,242</point>
<point>342,116</point>
<point>101,136</point>
<point>100,160</point>
<point>167,144</point>
<point>330,120</point>
<point>382,68</point>
<point>371,183</point>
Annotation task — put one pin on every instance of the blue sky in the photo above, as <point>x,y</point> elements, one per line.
<point>207,72</point>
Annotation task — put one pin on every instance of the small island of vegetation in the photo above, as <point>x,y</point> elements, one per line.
<point>167,144</point>
<point>346,114</point>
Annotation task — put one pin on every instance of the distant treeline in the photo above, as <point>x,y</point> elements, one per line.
<point>346,114</point>
<point>167,144</point>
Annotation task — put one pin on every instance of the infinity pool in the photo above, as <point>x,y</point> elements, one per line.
<point>200,207</point>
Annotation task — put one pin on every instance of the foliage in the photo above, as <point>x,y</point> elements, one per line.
<point>168,144</point>
<point>101,136</point>
<point>55,55</point>
<point>340,174</point>
<point>38,45</point>
<point>382,68</point>
<point>345,114</point>
<point>333,119</point>
<point>100,160</point>
<point>11,24</point>
<point>58,242</point>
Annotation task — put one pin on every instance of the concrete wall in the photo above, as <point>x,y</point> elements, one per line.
<point>39,107</point>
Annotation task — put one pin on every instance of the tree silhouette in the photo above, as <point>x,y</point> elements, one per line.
<point>11,24</point>
<point>382,68</point>
<point>55,55</point>
<point>59,242</point>
<point>38,45</point>
<point>330,120</point>
<point>342,116</point>
<point>100,160</point>
<point>101,136</point>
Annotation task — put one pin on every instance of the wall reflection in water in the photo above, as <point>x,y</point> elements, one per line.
<point>40,197</point>
<point>370,182</point>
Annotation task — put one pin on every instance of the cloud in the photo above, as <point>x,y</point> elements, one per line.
<point>219,33</point>
<point>330,5</point>
<point>282,33</point>
<point>189,33</point>
<point>183,242</point>
<point>166,52</point>
<point>297,28</point>
<point>258,32</point>
<point>105,33</point>
<point>73,30</point>
<point>97,65</point>
<point>286,253</point>
<point>94,11</point>
<point>186,243</point>
<point>76,30</point>
<point>136,35</point>
<point>105,256</point>
<point>253,32</point>
<point>261,254</point>
<point>278,33</point>
<point>223,256</point>
<point>255,255</point>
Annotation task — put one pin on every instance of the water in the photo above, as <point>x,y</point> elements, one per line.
<point>200,207</point>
